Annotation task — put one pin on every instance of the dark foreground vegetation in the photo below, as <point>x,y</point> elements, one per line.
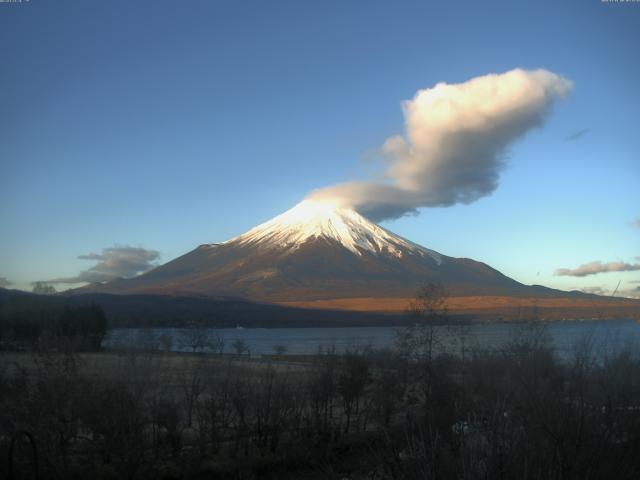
<point>413,412</point>
<point>405,414</point>
<point>30,321</point>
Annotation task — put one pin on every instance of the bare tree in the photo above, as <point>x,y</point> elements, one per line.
<point>321,389</point>
<point>280,350</point>
<point>43,288</point>
<point>196,338</point>
<point>215,343</point>
<point>240,346</point>
<point>148,340</point>
<point>166,342</point>
<point>428,314</point>
<point>353,380</point>
<point>193,386</point>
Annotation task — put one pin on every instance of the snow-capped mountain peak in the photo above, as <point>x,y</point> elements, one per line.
<point>317,251</point>
<point>311,219</point>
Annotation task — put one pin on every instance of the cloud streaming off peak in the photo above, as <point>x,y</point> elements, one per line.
<point>454,145</point>
<point>118,261</point>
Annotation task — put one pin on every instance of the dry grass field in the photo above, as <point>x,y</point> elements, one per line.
<point>495,307</point>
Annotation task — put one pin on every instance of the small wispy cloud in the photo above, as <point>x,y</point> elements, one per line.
<point>594,290</point>
<point>625,292</point>
<point>4,282</point>
<point>118,261</point>
<point>577,135</point>
<point>636,223</point>
<point>633,292</point>
<point>594,268</point>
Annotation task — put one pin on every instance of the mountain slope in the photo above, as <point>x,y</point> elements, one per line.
<point>317,251</point>
<point>311,220</point>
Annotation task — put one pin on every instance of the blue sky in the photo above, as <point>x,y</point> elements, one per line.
<point>165,124</point>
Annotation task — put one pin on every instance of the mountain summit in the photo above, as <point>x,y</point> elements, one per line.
<point>316,251</point>
<point>310,220</point>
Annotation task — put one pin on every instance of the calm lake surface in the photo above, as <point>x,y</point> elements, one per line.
<point>565,336</point>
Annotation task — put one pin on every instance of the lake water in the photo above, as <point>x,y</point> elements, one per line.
<point>604,335</point>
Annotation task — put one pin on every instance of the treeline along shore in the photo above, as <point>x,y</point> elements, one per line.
<point>156,311</point>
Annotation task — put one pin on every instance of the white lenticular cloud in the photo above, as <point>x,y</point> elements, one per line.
<point>454,145</point>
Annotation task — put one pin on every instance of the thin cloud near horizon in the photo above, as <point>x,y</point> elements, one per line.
<point>593,268</point>
<point>632,292</point>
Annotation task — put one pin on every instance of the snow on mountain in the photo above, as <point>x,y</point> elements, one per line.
<point>315,251</point>
<point>322,256</point>
<point>311,219</point>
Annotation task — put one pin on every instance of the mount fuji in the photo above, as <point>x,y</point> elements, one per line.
<point>317,252</point>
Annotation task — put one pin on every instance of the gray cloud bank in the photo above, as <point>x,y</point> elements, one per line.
<point>593,268</point>
<point>118,261</point>
<point>4,282</point>
<point>454,145</point>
